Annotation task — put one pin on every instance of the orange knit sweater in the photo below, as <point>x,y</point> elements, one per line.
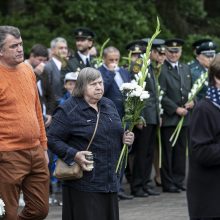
<point>21,122</point>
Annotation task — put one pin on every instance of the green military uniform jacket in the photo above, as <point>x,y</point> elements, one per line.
<point>176,87</point>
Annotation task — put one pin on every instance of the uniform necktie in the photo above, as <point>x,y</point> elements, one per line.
<point>176,69</point>
<point>87,62</point>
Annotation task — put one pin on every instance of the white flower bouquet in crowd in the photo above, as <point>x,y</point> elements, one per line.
<point>135,96</point>
<point>134,103</point>
<point>197,86</point>
<point>2,208</point>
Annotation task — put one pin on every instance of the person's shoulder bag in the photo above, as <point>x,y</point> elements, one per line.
<point>65,172</point>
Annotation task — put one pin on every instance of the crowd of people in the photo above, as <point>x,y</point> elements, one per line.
<point>51,102</point>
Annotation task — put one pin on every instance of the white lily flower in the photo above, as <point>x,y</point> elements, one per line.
<point>144,95</point>
<point>140,74</point>
<point>2,208</point>
<point>206,83</point>
<point>136,77</point>
<point>189,95</point>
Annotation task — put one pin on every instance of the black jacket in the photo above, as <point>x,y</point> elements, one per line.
<point>203,191</point>
<point>71,130</point>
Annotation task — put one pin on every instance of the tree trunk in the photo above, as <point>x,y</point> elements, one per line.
<point>168,10</point>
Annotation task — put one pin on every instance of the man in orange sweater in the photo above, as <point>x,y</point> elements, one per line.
<point>23,143</point>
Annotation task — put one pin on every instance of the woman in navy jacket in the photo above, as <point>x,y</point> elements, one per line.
<point>95,195</point>
<point>203,191</point>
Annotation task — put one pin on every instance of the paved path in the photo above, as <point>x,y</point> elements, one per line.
<point>167,206</point>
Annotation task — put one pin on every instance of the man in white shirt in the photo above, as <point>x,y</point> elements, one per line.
<point>59,54</point>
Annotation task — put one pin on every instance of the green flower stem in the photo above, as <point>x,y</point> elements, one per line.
<point>160,146</point>
<point>121,158</point>
<point>99,59</point>
<point>177,131</point>
<point>124,151</point>
<point>144,68</point>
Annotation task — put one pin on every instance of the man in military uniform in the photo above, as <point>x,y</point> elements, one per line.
<point>135,48</point>
<point>84,41</point>
<point>158,54</point>
<point>175,81</point>
<point>145,136</point>
<point>205,50</point>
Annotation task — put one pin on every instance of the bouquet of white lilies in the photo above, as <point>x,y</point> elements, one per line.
<point>197,86</point>
<point>135,96</point>
<point>2,208</point>
<point>134,103</point>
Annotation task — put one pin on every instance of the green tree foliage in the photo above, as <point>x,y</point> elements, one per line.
<point>121,20</point>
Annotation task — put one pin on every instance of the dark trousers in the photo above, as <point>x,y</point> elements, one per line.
<point>173,158</point>
<point>143,147</point>
<point>25,170</point>
<point>79,205</point>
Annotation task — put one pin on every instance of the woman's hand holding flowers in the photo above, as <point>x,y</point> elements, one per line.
<point>128,138</point>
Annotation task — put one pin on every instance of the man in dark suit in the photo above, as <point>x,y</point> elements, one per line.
<point>175,81</point>
<point>37,60</point>
<point>59,53</point>
<point>81,58</point>
<point>113,77</point>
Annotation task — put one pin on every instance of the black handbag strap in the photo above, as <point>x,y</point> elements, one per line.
<point>96,126</point>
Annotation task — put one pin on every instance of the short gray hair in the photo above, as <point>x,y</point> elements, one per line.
<point>8,30</point>
<point>110,49</point>
<point>86,75</point>
<point>56,40</point>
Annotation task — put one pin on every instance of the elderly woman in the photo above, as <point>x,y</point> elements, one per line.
<point>203,191</point>
<point>94,196</point>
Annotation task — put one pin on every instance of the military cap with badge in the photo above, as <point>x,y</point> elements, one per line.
<point>197,43</point>
<point>136,48</point>
<point>174,45</point>
<point>207,49</point>
<point>157,44</point>
<point>83,32</point>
